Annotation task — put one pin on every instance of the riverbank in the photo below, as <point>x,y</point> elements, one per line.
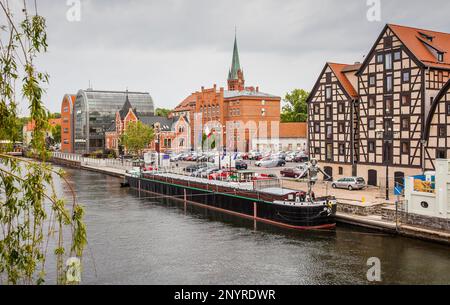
<point>365,215</point>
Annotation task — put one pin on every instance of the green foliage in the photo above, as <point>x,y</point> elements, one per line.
<point>295,108</point>
<point>162,112</point>
<point>32,217</point>
<point>137,137</point>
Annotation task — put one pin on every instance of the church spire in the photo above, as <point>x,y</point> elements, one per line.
<point>235,75</point>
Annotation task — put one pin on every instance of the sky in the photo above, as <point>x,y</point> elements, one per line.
<point>171,48</point>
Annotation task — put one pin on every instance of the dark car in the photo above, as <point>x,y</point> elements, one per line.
<point>301,159</point>
<point>281,162</point>
<point>241,165</point>
<point>292,173</point>
<point>194,167</point>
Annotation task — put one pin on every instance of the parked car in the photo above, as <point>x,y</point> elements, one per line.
<point>301,158</point>
<point>195,167</point>
<point>350,183</point>
<point>240,165</point>
<point>293,173</point>
<point>269,162</point>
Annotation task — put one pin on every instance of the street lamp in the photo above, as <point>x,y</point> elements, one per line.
<point>158,143</point>
<point>387,136</point>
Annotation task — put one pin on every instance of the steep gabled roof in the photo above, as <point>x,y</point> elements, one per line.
<point>125,109</point>
<point>419,42</point>
<point>235,64</point>
<point>339,70</point>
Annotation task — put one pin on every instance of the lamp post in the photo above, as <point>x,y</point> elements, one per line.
<point>387,136</point>
<point>158,143</point>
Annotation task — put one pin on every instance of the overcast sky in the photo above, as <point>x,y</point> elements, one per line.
<point>171,48</point>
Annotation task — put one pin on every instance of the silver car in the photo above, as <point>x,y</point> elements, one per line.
<point>350,183</point>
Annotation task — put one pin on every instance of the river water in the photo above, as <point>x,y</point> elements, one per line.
<point>136,240</point>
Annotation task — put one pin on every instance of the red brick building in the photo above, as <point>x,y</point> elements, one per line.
<point>66,123</point>
<point>236,115</point>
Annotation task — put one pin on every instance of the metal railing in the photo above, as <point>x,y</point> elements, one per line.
<point>113,163</point>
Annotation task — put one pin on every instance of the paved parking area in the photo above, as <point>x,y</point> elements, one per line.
<point>369,195</point>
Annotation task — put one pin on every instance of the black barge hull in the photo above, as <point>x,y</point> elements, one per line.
<point>246,204</point>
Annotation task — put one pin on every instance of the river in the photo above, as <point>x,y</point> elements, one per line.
<point>136,240</point>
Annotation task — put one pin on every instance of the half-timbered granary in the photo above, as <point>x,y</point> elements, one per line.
<point>397,84</point>
<point>332,120</point>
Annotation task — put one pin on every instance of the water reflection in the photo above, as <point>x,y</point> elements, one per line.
<point>143,241</point>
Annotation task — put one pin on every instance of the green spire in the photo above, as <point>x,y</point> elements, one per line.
<point>235,64</point>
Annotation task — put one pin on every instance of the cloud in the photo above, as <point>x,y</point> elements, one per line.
<point>171,48</point>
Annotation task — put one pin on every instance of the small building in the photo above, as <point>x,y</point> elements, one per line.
<point>28,130</point>
<point>292,137</point>
<point>428,195</point>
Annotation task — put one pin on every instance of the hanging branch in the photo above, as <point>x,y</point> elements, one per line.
<point>27,190</point>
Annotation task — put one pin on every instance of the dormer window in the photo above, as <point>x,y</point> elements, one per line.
<point>427,37</point>
<point>440,57</point>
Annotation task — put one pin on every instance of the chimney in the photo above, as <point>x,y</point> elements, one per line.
<point>257,88</point>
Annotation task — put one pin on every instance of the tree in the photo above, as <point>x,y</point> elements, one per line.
<point>34,221</point>
<point>295,108</point>
<point>56,134</point>
<point>162,112</point>
<point>137,137</point>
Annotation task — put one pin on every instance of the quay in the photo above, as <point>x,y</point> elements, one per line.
<point>381,216</point>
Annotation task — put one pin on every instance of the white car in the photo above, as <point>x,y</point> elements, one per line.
<point>269,162</point>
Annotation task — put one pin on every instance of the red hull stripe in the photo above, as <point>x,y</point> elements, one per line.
<point>267,221</point>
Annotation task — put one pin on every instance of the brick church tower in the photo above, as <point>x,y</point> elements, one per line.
<point>236,80</point>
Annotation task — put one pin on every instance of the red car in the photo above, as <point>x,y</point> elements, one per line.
<point>292,173</point>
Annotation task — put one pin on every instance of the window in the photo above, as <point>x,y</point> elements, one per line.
<point>66,109</point>
<point>405,122</point>
<point>388,61</point>
<point>371,146</point>
<point>317,150</point>
<point>329,131</point>
<point>317,127</point>
<point>328,77</point>
<point>341,107</point>
<point>341,127</point>
<point>388,42</point>
<point>406,99</point>
<point>341,170</point>
<point>380,58</point>
<point>388,84</point>
<point>328,112</point>
<point>441,57</point>
<point>448,108</point>
<point>263,102</point>
<point>372,102</point>
<point>406,76</point>
<point>341,149</point>
<point>263,112</point>
<point>372,80</point>
<point>66,130</point>
<point>388,106</point>
<point>371,124</point>
<point>316,109</point>
<point>397,55</point>
<point>441,153</point>
<point>328,92</point>
<point>442,131</point>
<point>329,155</point>
<point>405,147</point>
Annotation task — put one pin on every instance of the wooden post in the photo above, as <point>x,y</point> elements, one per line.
<point>255,215</point>
<point>185,201</point>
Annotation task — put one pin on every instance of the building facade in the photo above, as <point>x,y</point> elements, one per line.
<point>332,124</point>
<point>236,116</point>
<point>292,137</point>
<point>396,86</point>
<point>95,111</point>
<point>67,123</point>
<point>171,134</point>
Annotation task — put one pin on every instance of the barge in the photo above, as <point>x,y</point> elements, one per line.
<point>262,201</point>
